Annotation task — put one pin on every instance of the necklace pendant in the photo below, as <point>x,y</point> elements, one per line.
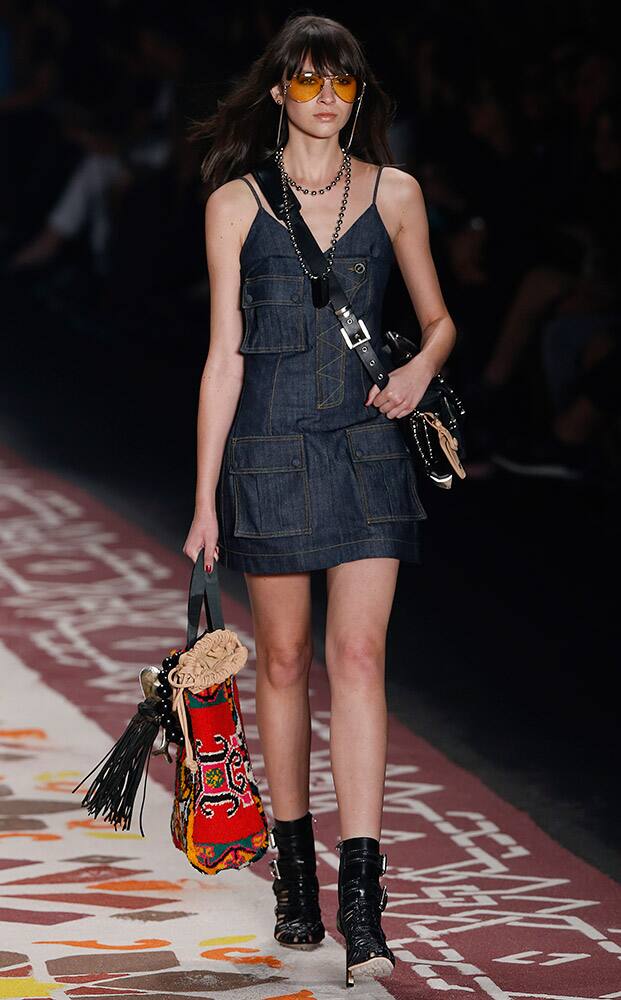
<point>321,291</point>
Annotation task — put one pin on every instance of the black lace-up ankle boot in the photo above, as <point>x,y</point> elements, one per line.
<point>361,902</point>
<point>298,916</point>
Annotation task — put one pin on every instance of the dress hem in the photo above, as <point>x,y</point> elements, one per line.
<point>320,558</point>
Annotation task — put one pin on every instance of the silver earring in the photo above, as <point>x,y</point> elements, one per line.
<point>356,115</point>
<point>282,108</point>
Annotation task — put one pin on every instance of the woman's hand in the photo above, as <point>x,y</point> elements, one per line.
<point>203,533</point>
<point>406,387</point>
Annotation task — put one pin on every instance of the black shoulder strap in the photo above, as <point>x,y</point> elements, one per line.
<point>267,176</point>
<point>354,331</point>
<point>377,180</point>
<point>254,193</point>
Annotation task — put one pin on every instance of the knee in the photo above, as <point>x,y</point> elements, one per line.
<point>284,666</point>
<point>355,660</point>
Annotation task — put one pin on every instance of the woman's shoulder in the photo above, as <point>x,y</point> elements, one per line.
<point>400,181</point>
<point>230,193</point>
<point>399,193</point>
<point>393,181</point>
<point>232,203</point>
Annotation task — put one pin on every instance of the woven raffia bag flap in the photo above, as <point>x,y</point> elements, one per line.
<point>218,819</point>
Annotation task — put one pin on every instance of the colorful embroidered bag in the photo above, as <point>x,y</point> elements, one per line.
<point>218,819</point>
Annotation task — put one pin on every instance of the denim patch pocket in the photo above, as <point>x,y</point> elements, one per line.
<point>274,314</point>
<point>270,482</point>
<point>385,473</point>
<point>353,275</point>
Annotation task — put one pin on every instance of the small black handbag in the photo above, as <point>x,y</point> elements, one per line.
<point>433,431</point>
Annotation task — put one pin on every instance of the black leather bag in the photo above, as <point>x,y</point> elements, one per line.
<point>433,432</point>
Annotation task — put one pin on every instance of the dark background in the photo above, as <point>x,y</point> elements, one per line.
<point>503,646</point>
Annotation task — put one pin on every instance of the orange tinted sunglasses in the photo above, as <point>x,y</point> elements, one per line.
<point>307,85</point>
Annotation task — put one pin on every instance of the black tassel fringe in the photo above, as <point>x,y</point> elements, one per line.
<point>113,792</point>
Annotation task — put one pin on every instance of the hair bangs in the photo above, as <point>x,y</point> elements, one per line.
<point>329,52</point>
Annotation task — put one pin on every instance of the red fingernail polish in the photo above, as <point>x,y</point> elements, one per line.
<point>209,568</point>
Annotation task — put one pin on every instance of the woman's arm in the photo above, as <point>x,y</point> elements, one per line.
<point>407,219</point>
<point>226,217</point>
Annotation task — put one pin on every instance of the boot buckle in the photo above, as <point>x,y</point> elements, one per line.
<point>384,863</point>
<point>271,839</point>
<point>384,898</point>
<point>274,868</point>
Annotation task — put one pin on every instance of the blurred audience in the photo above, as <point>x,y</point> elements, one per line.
<point>517,149</point>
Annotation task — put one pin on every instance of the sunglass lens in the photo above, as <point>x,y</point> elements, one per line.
<point>303,87</point>
<point>345,87</point>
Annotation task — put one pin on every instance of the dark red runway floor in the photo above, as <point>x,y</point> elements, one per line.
<point>481,900</point>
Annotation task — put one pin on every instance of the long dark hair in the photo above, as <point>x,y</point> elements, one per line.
<point>243,128</point>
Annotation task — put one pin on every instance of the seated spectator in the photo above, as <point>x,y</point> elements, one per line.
<point>578,285</point>
<point>582,439</point>
<point>132,131</point>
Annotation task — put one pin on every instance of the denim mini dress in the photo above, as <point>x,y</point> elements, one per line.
<point>310,476</point>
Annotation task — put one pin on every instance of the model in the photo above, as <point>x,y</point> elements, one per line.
<point>301,464</point>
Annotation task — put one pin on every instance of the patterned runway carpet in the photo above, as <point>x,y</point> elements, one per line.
<point>481,902</point>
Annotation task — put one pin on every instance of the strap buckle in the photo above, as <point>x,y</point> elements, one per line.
<point>274,868</point>
<point>384,863</point>
<point>270,838</point>
<point>354,339</point>
<point>384,898</point>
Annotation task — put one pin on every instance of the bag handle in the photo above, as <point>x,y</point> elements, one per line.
<point>354,331</point>
<point>204,588</point>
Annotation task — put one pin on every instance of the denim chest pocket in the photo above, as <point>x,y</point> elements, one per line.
<point>273,308</point>
<point>385,473</point>
<point>270,486</point>
<point>353,276</point>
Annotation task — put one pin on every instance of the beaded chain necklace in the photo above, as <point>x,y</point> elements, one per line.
<point>298,187</point>
<point>286,181</point>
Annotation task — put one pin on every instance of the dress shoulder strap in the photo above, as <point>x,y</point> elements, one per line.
<point>379,171</point>
<point>251,186</point>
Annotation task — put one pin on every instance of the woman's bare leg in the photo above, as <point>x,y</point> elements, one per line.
<point>281,612</point>
<point>360,597</point>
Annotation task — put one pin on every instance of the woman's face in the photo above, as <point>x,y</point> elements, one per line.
<point>322,116</point>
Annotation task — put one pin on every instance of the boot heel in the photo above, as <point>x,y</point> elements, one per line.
<point>376,968</point>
